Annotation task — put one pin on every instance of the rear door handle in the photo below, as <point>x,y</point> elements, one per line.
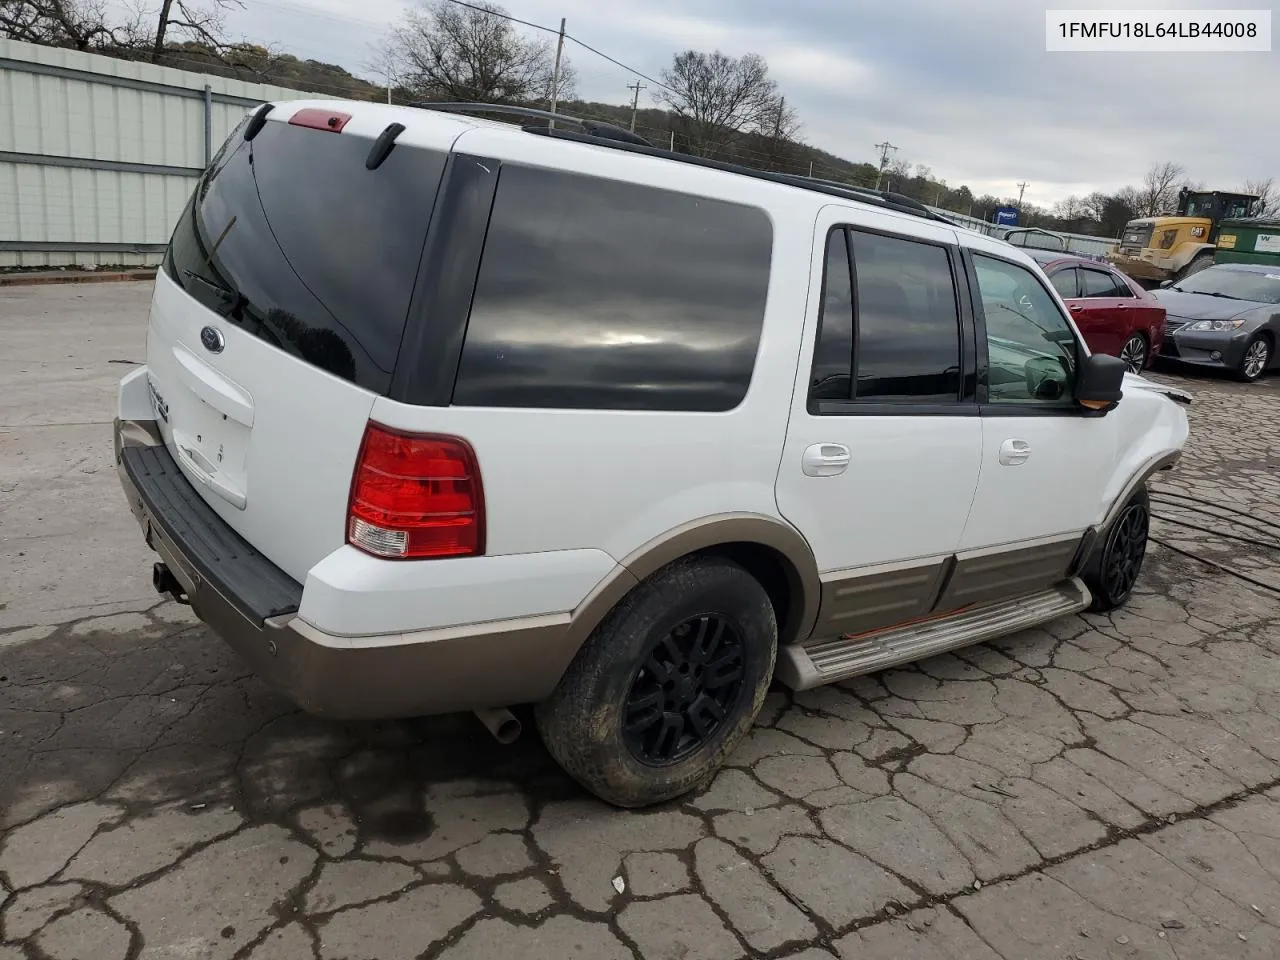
<point>825,460</point>
<point>1014,452</point>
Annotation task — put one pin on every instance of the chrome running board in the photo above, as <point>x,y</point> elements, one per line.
<point>802,667</point>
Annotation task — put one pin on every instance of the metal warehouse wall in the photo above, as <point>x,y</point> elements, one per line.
<point>98,156</point>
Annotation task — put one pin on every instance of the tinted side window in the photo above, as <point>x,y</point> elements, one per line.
<point>598,294</point>
<point>1098,284</point>
<point>1031,349</point>
<point>291,238</point>
<point>833,353</point>
<point>1119,288</point>
<point>1064,281</point>
<point>908,324</point>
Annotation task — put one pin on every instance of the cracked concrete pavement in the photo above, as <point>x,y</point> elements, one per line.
<point>1104,787</point>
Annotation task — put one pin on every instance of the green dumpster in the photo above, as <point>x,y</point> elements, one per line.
<point>1249,240</point>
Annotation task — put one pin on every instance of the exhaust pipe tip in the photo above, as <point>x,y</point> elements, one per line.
<point>501,723</point>
<point>166,583</point>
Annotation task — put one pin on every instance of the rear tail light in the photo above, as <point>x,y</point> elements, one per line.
<point>415,495</point>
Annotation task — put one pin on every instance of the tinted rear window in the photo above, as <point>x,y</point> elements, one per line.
<point>594,293</point>
<point>908,345</point>
<point>294,240</point>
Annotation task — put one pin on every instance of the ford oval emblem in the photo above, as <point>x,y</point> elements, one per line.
<point>211,337</point>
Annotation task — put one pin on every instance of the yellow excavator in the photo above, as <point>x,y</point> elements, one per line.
<point>1153,249</point>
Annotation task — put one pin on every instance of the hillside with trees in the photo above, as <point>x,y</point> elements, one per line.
<point>708,103</point>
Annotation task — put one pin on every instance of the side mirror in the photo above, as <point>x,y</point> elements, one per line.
<point>1165,283</point>
<point>1099,381</point>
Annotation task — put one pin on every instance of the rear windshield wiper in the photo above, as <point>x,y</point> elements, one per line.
<point>212,285</point>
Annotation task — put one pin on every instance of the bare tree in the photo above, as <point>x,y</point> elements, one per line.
<point>204,23</point>
<point>779,136</point>
<point>718,99</point>
<point>1073,208</point>
<point>474,54</point>
<point>781,122</point>
<point>1267,193</point>
<point>97,26</point>
<point>77,24</point>
<point>1159,191</point>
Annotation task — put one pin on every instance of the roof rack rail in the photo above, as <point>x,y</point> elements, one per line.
<point>608,135</point>
<point>595,128</point>
<point>891,196</point>
<point>895,202</point>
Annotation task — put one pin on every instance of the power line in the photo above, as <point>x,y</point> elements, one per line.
<point>801,166</point>
<point>619,63</point>
<point>504,16</point>
<point>567,36</point>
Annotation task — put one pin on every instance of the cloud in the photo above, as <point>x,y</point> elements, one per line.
<point>964,88</point>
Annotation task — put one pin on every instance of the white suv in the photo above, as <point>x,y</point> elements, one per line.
<point>443,413</point>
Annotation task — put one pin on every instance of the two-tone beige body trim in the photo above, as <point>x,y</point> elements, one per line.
<point>860,601</point>
<point>501,663</point>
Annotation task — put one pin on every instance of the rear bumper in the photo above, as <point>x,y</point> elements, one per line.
<point>252,605</point>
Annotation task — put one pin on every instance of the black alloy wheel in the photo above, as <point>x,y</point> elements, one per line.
<point>1112,571</point>
<point>667,685</point>
<point>691,681</point>
<point>1126,548</point>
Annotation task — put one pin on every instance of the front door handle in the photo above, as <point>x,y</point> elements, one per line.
<point>1014,452</point>
<point>825,460</point>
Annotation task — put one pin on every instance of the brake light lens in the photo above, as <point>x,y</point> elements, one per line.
<point>320,119</point>
<point>415,496</point>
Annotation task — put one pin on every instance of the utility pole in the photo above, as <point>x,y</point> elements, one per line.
<point>1021,188</point>
<point>777,125</point>
<point>884,149</point>
<point>555,76</point>
<point>635,101</point>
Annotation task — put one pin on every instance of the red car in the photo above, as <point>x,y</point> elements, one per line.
<point>1113,313</point>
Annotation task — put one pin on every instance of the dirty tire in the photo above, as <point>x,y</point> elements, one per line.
<point>1200,262</point>
<point>581,723</point>
<point>1116,563</point>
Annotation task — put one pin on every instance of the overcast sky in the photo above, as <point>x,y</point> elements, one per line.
<point>963,86</point>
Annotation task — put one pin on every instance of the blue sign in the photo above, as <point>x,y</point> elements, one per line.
<point>1007,216</point>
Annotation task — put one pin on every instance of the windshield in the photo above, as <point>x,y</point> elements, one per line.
<point>1201,206</point>
<point>1237,284</point>
<point>1221,208</point>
